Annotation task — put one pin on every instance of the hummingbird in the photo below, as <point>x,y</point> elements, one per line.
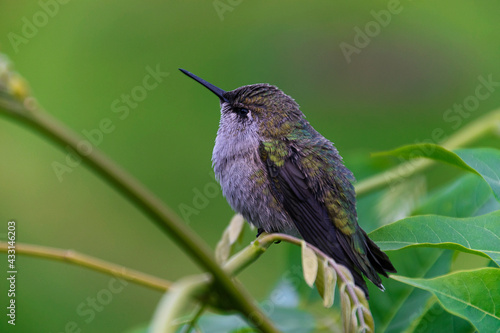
<point>283,176</point>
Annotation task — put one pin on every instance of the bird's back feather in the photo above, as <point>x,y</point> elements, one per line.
<point>315,189</point>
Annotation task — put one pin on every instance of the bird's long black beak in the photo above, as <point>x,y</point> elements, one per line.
<point>218,91</point>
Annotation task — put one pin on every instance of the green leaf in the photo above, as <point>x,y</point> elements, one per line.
<point>482,161</point>
<point>309,264</point>
<point>477,235</point>
<point>223,249</point>
<point>436,320</point>
<point>320,277</point>
<point>473,295</point>
<point>231,234</point>
<point>386,306</point>
<point>428,150</point>
<point>414,305</point>
<point>330,283</point>
<point>326,280</point>
<point>490,206</point>
<point>235,228</point>
<point>294,264</point>
<point>345,305</point>
<point>486,161</point>
<point>462,198</point>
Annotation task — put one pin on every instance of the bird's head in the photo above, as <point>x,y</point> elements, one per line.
<point>258,108</point>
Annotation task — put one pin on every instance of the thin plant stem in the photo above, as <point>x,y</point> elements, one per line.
<point>193,322</point>
<point>90,262</point>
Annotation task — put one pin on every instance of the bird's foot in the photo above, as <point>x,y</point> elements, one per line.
<point>259,231</point>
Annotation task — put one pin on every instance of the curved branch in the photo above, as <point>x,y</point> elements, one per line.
<point>268,239</point>
<point>23,108</point>
<point>165,219</point>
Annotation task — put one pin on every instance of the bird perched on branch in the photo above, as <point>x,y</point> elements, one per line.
<point>282,175</point>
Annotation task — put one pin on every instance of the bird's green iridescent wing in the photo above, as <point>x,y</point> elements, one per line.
<point>314,188</point>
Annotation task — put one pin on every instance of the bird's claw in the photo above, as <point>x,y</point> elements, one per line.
<point>260,231</point>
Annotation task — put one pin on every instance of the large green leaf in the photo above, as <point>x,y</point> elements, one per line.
<point>490,206</point>
<point>435,319</point>
<point>486,161</point>
<point>462,198</point>
<point>478,235</point>
<point>386,307</point>
<point>428,150</point>
<point>413,306</point>
<point>482,161</point>
<point>473,295</point>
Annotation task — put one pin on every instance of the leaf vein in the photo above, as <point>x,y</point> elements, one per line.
<point>439,238</point>
<point>466,303</point>
<point>414,236</point>
<point>468,244</point>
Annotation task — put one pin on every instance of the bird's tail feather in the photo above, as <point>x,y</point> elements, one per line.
<point>378,260</point>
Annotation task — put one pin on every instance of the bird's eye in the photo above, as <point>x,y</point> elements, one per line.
<point>241,111</point>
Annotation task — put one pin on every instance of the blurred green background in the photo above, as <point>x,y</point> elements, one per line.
<point>82,57</point>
